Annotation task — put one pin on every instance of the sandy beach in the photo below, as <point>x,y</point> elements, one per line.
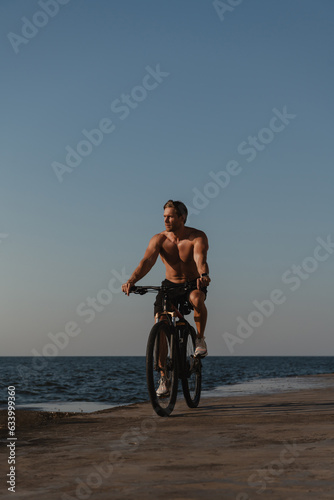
<point>277,446</point>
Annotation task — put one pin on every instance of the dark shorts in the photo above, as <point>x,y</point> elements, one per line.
<point>179,298</point>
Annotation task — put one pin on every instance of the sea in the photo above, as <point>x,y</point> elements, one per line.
<point>87,384</point>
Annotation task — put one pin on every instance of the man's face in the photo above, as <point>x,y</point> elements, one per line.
<point>172,221</point>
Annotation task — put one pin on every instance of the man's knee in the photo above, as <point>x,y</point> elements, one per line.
<point>197,298</point>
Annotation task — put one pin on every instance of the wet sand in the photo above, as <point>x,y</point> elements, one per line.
<point>276,446</point>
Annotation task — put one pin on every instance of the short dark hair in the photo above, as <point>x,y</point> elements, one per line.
<point>180,208</point>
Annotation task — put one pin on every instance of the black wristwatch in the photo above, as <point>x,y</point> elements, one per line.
<point>205,275</point>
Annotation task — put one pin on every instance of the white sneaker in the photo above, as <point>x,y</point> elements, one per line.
<point>201,349</point>
<point>163,389</point>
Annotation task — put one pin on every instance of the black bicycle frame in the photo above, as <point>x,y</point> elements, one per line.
<point>170,316</point>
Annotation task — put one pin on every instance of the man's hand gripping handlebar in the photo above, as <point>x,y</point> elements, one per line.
<point>128,287</point>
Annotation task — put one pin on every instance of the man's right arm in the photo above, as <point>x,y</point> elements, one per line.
<point>146,264</point>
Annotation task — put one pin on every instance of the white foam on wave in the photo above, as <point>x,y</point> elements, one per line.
<point>268,386</point>
<point>63,406</point>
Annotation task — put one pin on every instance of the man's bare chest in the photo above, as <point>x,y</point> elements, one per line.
<point>177,252</point>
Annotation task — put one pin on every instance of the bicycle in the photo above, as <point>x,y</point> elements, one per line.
<point>171,353</point>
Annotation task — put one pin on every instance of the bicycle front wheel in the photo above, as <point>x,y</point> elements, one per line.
<point>192,370</point>
<point>161,369</point>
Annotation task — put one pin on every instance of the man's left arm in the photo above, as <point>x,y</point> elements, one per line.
<point>201,247</point>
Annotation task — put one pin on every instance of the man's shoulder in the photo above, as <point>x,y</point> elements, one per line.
<point>159,238</point>
<point>194,233</point>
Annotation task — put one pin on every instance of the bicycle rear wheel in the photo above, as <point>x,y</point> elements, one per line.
<point>192,370</point>
<point>161,362</point>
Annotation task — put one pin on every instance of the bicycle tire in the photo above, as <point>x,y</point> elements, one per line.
<point>160,336</point>
<point>192,370</point>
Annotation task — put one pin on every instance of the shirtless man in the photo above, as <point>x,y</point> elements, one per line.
<point>183,250</point>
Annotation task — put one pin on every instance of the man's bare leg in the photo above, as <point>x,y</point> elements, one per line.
<point>163,389</point>
<point>197,298</point>
<point>163,349</point>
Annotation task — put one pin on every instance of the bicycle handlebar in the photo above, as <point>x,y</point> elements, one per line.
<point>141,290</point>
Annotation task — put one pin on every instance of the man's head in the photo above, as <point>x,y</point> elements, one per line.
<point>175,215</point>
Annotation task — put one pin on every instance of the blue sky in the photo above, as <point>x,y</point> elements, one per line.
<point>62,242</point>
